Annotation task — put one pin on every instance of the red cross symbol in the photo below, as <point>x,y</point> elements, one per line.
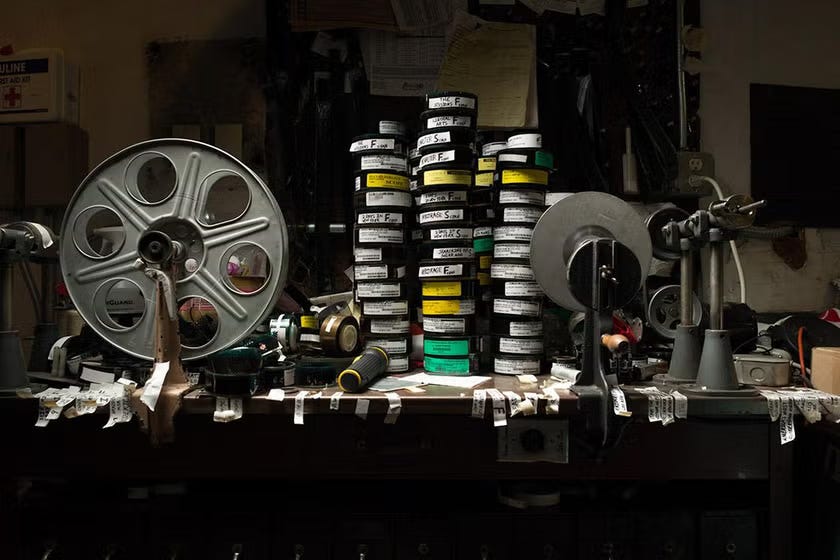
<point>12,97</point>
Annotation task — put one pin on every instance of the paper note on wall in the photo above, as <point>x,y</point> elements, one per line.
<point>496,61</point>
<point>401,66</point>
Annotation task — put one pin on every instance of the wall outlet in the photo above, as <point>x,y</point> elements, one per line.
<point>534,439</point>
<point>694,163</point>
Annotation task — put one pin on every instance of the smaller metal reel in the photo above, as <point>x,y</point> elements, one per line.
<point>663,311</point>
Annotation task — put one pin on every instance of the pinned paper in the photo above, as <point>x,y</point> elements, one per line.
<point>774,404</point>
<point>667,408</point>
<point>514,400</point>
<point>619,402</point>
<point>479,398</point>
<point>499,411</point>
<point>394,408</point>
<point>154,385</point>
<point>299,405</point>
<point>553,406</point>
<point>334,404</point>
<point>362,406</point>
<point>787,431</point>
<point>95,376</point>
<point>527,379</point>
<point>120,411</point>
<point>530,405</point>
<point>276,395</point>
<point>680,404</point>
<point>227,409</point>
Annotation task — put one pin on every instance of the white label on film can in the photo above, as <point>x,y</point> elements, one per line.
<point>516,307</point>
<point>443,196</point>
<point>378,290</point>
<point>434,138</point>
<point>437,157</point>
<point>511,251</point>
<point>388,326</point>
<point>395,307</point>
<point>413,184</point>
<point>358,183</point>
<point>384,161</point>
<point>520,346</point>
<point>518,158</point>
<point>529,140</point>
<point>532,328</point>
<point>395,346</point>
<point>380,235</point>
<point>440,122</point>
<point>450,215</point>
<point>508,196</point>
<point>451,101</point>
<point>367,272</point>
<point>523,289</point>
<point>380,218</point>
<point>360,254</point>
<point>397,365</point>
<point>441,270</point>
<point>506,271</point>
<point>450,233</point>
<point>444,326</point>
<point>372,144</point>
<point>388,198</point>
<point>529,215</point>
<point>492,148</point>
<point>516,367</point>
<point>391,127</point>
<point>513,233</point>
<point>453,253</point>
<point>484,231</point>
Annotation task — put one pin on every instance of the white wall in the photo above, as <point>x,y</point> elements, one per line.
<point>771,42</point>
<point>107,38</point>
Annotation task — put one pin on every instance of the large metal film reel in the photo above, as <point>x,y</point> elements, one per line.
<point>575,218</point>
<point>236,245</point>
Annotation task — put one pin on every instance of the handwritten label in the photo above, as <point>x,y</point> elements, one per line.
<point>479,398</point>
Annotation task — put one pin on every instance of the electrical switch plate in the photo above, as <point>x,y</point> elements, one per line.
<point>532,440</point>
<point>694,163</point>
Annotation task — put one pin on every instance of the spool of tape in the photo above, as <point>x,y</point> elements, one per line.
<point>485,163</point>
<point>452,100</point>
<point>441,289</point>
<point>442,176</point>
<point>445,251</point>
<point>378,271</point>
<point>521,215</point>
<point>457,156</point>
<point>369,180</point>
<point>521,234</point>
<point>378,144</point>
<point>446,118</point>
<point>309,323</point>
<point>522,158</point>
<point>448,233</point>
<point>516,327</point>
<point>339,335</point>
<point>391,344</point>
<point>464,365</point>
<point>380,290</point>
<point>449,325</point>
<point>531,346</point>
<point>521,197</point>
<point>377,236</point>
<point>385,325</point>
<point>511,364</point>
<point>523,308</point>
<point>385,308</point>
<point>380,163</point>
<point>286,329</point>
<point>516,289</point>
<point>382,199</point>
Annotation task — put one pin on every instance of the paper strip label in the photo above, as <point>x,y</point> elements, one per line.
<point>334,404</point>
<point>479,398</point>
<point>499,412</point>
<point>299,407</point>
<point>362,406</point>
<point>394,408</point>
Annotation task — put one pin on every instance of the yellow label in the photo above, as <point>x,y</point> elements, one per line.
<point>483,279</point>
<point>535,176</point>
<point>441,306</point>
<point>441,288</point>
<point>448,177</point>
<point>309,321</point>
<point>387,180</point>
<point>484,179</point>
<point>487,164</point>
<point>484,261</point>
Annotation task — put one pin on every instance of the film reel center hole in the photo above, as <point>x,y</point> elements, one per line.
<point>120,304</point>
<point>102,232</point>
<point>227,199</point>
<point>198,321</point>
<point>156,179</point>
<point>246,268</point>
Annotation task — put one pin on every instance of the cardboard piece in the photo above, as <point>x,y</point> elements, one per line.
<point>825,369</point>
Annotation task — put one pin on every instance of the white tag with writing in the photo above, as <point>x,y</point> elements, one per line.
<point>499,412</point>
<point>774,404</point>
<point>120,411</point>
<point>300,401</point>
<point>394,408</point>
<point>619,402</point>
<point>362,406</point>
<point>667,401</point>
<point>553,406</point>
<point>680,405</point>
<point>514,400</point>
<point>334,404</point>
<point>479,398</point>
<point>151,391</point>
<point>787,431</point>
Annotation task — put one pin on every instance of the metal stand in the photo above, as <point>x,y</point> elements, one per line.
<point>686,356</point>
<point>12,368</point>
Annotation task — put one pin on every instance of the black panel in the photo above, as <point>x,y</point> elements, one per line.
<point>795,146</point>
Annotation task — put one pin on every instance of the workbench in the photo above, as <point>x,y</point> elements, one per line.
<point>434,438</point>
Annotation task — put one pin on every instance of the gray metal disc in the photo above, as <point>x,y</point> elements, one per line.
<point>567,218</point>
<point>663,311</point>
<point>218,207</point>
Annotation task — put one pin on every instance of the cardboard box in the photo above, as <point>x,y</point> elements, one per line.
<point>825,369</point>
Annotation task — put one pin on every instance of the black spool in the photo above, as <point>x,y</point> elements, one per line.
<point>512,364</point>
<point>520,215</point>
<point>449,289</point>
<point>521,197</point>
<point>458,156</point>
<point>448,196</point>
<point>387,162</point>
<point>438,234</point>
<point>431,215</point>
<point>365,181</point>
<point>512,252</point>
<point>391,255</point>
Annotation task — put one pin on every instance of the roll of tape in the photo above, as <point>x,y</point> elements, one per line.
<point>339,335</point>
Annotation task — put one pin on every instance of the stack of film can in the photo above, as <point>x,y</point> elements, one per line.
<point>520,183</point>
<point>383,212</point>
<point>447,268</point>
<point>483,214</point>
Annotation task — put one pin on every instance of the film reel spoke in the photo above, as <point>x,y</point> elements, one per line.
<point>115,266</point>
<point>234,232</point>
<point>211,286</point>
<point>127,207</point>
<point>187,192</point>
